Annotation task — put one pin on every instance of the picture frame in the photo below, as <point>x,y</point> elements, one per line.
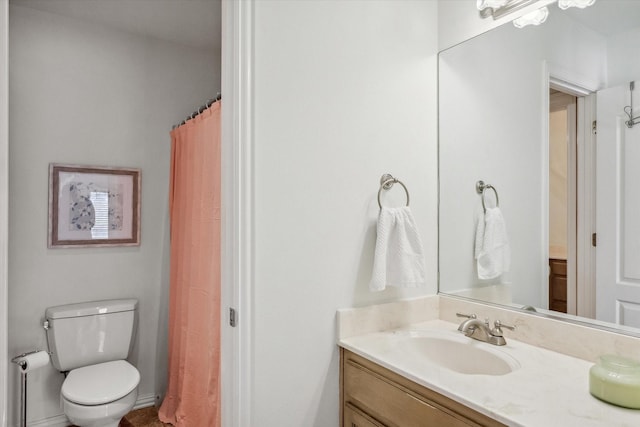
<point>93,206</point>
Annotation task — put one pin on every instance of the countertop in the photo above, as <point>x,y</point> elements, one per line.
<point>548,389</point>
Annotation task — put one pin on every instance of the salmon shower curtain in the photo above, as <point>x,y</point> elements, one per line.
<point>193,392</point>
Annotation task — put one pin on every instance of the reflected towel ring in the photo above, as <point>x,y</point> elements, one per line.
<point>480,187</point>
<point>386,182</point>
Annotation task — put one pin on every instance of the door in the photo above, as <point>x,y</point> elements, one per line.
<point>618,210</point>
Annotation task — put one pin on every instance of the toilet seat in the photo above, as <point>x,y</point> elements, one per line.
<point>101,383</point>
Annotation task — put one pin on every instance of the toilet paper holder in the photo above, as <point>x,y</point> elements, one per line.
<point>19,360</point>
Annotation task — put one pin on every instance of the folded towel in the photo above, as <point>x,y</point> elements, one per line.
<point>399,256</point>
<point>492,251</point>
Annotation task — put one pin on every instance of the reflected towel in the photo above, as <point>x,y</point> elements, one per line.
<point>399,255</point>
<point>492,252</point>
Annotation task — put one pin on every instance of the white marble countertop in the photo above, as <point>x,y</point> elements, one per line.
<point>548,389</point>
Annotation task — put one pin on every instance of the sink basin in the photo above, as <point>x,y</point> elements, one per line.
<point>457,352</point>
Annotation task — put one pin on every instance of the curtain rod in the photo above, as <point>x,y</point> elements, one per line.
<point>193,115</point>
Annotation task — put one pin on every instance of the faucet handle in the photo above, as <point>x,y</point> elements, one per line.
<point>468,316</point>
<point>498,325</point>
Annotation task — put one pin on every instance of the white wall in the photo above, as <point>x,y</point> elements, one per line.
<point>492,128</point>
<point>85,94</point>
<point>623,61</point>
<point>344,92</point>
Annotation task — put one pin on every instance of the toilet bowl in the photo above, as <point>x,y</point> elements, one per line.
<point>100,395</point>
<point>107,415</point>
<point>89,342</point>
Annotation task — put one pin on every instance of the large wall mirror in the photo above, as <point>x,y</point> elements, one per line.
<point>541,115</point>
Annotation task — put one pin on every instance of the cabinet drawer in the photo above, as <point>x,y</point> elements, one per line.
<point>390,403</point>
<point>353,417</point>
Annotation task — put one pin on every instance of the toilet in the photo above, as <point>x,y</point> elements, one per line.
<point>89,342</point>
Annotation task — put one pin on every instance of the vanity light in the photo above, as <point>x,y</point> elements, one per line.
<point>499,8</point>
<point>487,7</point>
<point>580,4</point>
<point>483,4</point>
<point>536,17</point>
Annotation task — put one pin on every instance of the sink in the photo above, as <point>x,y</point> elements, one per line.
<point>456,352</point>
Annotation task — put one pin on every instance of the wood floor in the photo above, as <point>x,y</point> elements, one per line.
<point>145,417</point>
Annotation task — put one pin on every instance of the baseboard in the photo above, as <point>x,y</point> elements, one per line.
<point>57,421</point>
<point>145,401</point>
<point>62,421</point>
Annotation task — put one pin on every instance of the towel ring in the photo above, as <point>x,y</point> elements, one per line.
<point>480,187</point>
<point>386,182</point>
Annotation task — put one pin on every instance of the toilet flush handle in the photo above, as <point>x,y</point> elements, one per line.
<point>45,325</point>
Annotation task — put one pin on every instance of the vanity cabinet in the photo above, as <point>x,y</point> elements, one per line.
<point>373,396</point>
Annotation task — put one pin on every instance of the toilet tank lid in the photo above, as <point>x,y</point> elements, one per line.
<point>91,308</point>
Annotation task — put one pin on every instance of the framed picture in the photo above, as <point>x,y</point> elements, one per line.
<point>93,206</point>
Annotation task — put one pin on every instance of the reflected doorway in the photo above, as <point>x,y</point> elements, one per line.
<point>562,198</point>
<point>572,199</point>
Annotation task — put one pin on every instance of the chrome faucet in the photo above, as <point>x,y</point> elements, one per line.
<point>481,331</point>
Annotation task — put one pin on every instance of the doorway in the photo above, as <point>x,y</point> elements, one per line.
<point>572,200</point>
<point>110,82</point>
<point>562,198</point>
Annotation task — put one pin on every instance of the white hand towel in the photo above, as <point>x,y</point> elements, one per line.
<point>399,256</point>
<point>492,251</point>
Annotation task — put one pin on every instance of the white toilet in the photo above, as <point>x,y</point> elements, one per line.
<point>91,341</point>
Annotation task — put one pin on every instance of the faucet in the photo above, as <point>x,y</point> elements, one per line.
<point>481,331</point>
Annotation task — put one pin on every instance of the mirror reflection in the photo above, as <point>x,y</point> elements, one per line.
<point>541,115</point>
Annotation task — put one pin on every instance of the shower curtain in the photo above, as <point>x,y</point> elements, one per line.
<point>193,391</point>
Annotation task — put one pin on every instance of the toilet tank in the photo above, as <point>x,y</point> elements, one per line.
<point>90,332</point>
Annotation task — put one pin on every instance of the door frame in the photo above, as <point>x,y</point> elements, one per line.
<point>237,213</point>
<point>586,206</point>
<point>4,204</point>
<point>574,83</point>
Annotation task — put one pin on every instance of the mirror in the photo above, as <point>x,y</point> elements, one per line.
<point>502,97</point>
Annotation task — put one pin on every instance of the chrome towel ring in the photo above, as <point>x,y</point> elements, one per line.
<point>480,187</point>
<point>386,182</point>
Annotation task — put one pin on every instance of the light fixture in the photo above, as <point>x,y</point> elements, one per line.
<point>487,7</point>
<point>483,4</point>
<point>536,17</point>
<point>499,8</point>
<point>580,4</point>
